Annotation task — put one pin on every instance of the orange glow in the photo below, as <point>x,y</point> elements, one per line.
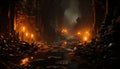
<point>32,35</point>
<point>24,61</point>
<point>24,24</point>
<point>64,31</point>
<point>26,34</point>
<point>85,38</point>
<point>64,42</point>
<point>15,26</point>
<point>84,35</point>
<point>78,33</point>
<point>87,33</point>
<point>23,28</point>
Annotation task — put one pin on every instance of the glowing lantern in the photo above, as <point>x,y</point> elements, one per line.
<point>23,28</point>
<point>78,33</point>
<point>26,34</point>
<point>85,38</point>
<point>32,35</point>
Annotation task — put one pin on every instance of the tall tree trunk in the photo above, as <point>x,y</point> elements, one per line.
<point>11,19</point>
<point>4,6</point>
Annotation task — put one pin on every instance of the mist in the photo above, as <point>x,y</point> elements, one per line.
<point>72,13</point>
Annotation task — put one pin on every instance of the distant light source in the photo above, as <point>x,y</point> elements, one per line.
<point>85,38</point>
<point>32,35</point>
<point>78,33</point>
<point>84,35</point>
<point>26,34</point>
<point>64,31</point>
<point>87,33</point>
<point>65,42</point>
<point>24,61</point>
<point>23,28</point>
